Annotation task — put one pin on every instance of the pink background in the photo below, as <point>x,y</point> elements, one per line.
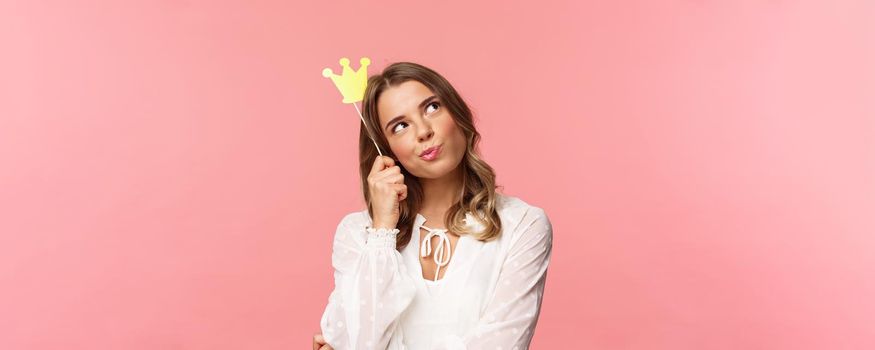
<point>173,171</point>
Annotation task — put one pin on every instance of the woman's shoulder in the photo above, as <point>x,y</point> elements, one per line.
<point>521,220</point>
<point>516,207</point>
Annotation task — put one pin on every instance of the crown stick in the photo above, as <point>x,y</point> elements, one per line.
<point>367,128</point>
<point>352,86</point>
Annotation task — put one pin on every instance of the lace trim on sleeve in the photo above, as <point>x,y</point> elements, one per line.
<point>381,237</point>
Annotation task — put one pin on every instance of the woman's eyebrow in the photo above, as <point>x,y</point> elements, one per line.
<point>421,104</point>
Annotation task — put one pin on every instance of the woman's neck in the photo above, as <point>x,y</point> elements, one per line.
<point>439,194</point>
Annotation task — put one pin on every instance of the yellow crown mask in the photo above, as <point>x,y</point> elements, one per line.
<point>351,83</point>
<point>352,86</point>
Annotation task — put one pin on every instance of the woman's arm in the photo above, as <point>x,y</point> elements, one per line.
<point>371,287</point>
<point>509,319</point>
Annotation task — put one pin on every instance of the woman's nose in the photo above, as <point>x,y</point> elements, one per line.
<point>425,132</point>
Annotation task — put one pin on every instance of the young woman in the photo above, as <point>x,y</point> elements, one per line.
<point>439,259</point>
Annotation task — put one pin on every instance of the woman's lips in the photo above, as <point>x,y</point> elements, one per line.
<point>431,153</point>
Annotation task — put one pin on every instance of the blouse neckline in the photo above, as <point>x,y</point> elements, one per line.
<point>422,246</point>
<point>453,262</point>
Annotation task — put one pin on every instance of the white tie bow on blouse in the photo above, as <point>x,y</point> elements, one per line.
<point>441,257</point>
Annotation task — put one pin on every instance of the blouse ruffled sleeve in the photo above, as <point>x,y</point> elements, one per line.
<point>509,320</point>
<point>371,288</point>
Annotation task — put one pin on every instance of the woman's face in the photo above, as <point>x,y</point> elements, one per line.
<point>414,121</point>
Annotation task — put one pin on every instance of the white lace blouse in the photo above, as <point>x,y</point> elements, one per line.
<point>489,297</point>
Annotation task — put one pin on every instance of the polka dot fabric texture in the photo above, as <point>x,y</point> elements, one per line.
<point>489,297</point>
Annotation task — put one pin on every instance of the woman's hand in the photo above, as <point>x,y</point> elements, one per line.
<point>386,189</point>
<point>319,343</point>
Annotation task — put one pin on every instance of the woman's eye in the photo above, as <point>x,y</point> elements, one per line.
<point>430,108</point>
<point>396,129</point>
<point>435,104</point>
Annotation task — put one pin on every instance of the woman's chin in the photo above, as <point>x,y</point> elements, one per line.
<point>432,171</point>
<point>429,173</point>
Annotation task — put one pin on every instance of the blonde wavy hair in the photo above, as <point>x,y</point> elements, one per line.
<point>478,180</point>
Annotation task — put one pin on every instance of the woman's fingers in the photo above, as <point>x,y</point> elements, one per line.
<point>318,341</point>
<point>382,162</point>
<point>382,174</point>
<point>326,347</point>
<point>401,190</point>
<point>390,176</point>
<point>394,179</point>
<point>383,168</point>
